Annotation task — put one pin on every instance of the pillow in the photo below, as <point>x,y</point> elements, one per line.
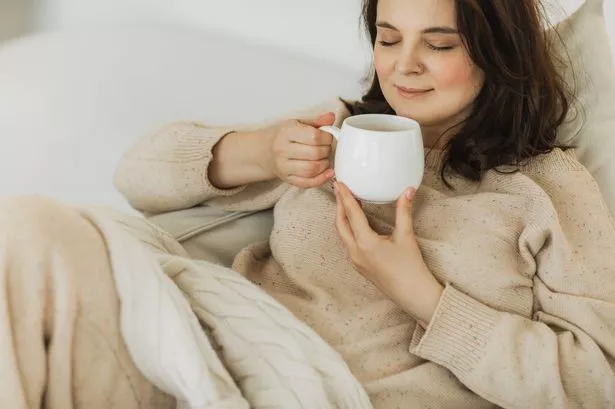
<point>215,235</point>
<point>592,74</point>
<point>559,10</point>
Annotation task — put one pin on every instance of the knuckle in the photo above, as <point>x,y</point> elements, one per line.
<point>287,129</point>
<point>279,146</point>
<point>315,135</point>
<point>365,245</point>
<point>281,166</point>
<point>310,153</point>
<point>311,168</point>
<point>277,149</point>
<point>303,171</point>
<point>319,153</point>
<point>316,153</point>
<point>283,128</point>
<point>326,138</point>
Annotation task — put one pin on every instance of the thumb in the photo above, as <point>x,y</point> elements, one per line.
<point>404,226</point>
<point>322,120</point>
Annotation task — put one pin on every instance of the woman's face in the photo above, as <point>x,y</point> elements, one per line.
<point>423,68</point>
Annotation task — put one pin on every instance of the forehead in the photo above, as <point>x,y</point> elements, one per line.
<point>417,14</point>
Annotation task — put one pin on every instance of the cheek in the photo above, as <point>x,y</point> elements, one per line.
<point>383,64</point>
<point>457,74</point>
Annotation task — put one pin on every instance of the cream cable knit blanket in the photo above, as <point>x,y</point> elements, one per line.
<point>253,352</point>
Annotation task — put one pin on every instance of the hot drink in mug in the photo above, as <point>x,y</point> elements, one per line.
<point>378,156</point>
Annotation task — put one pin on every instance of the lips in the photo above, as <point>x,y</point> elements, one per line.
<point>412,92</point>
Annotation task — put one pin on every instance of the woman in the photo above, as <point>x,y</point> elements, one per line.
<point>492,285</point>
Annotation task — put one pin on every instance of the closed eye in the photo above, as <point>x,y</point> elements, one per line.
<point>435,48</point>
<point>387,43</point>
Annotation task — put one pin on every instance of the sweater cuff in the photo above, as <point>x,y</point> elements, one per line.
<point>458,333</point>
<point>196,146</point>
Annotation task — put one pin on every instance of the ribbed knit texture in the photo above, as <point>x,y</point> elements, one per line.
<point>527,319</point>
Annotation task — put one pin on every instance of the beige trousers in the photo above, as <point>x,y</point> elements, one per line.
<point>60,344</point>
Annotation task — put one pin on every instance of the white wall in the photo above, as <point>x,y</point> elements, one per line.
<point>328,29</point>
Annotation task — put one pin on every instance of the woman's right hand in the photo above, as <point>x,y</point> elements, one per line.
<point>299,152</point>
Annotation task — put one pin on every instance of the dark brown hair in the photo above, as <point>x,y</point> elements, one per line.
<point>524,99</point>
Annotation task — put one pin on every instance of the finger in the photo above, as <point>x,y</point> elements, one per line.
<point>308,183</point>
<point>306,168</point>
<point>308,135</point>
<point>300,151</point>
<point>341,223</point>
<point>328,118</point>
<point>355,215</point>
<point>404,226</point>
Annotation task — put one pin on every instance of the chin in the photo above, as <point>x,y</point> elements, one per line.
<point>420,112</point>
<point>420,116</point>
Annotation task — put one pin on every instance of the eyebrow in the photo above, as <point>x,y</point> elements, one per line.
<point>430,30</point>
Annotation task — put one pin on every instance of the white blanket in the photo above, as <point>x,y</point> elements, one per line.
<point>247,351</point>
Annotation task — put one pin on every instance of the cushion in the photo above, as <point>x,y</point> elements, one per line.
<point>586,42</point>
<point>215,235</point>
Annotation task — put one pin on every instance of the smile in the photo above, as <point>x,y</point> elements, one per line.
<point>412,92</point>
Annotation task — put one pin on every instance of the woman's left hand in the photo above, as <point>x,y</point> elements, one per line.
<point>393,263</point>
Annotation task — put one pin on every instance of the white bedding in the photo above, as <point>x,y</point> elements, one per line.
<point>254,353</point>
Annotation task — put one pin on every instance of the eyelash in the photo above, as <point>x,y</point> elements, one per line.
<point>434,48</point>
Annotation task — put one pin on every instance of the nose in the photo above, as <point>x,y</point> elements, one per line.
<point>409,62</point>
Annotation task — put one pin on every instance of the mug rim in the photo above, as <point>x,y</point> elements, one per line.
<point>410,123</point>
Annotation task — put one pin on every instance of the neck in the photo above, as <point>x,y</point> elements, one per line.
<point>436,137</point>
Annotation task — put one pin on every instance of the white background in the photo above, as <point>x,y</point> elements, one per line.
<point>327,29</point>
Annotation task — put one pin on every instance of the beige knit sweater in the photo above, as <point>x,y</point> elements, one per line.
<point>527,319</point>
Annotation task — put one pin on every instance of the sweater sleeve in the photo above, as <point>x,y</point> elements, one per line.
<point>563,357</point>
<point>167,169</point>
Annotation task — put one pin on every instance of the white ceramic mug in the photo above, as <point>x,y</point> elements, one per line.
<point>378,156</point>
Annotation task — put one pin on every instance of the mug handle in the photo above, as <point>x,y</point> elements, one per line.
<point>333,130</point>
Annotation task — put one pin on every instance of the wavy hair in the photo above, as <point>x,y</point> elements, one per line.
<point>524,99</point>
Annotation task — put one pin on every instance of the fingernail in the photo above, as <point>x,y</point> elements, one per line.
<point>410,193</point>
<point>330,173</point>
